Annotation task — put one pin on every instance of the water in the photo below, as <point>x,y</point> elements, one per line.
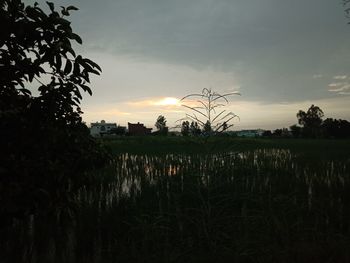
<point>271,204</point>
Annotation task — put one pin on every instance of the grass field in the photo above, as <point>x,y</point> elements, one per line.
<point>160,144</point>
<point>175,199</point>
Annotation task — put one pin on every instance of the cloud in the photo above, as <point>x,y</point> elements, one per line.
<point>337,84</point>
<point>339,87</point>
<point>272,54</point>
<point>340,77</point>
<point>111,114</point>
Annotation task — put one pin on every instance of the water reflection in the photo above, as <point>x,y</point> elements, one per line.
<point>158,206</point>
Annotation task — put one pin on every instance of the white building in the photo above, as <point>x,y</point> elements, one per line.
<point>250,133</point>
<point>101,128</point>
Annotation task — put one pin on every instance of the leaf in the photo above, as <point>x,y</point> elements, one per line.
<point>25,91</point>
<point>58,62</point>
<point>76,38</point>
<point>86,88</point>
<point>67,47</point>
<point>72,8</point>
<point>76,70</point>
<point>77,93</point>
<point>62,21</point>
<point>68,67</point>
<point>64,11</point>
<point>51,5</point>
<point>86,60</point>
<point>94,71</point>
<point>31,76</point>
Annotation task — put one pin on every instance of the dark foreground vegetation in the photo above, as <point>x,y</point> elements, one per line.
<point>152,199</point>
<point>168,199</point>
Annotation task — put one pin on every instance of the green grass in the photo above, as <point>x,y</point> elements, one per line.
<point>159,144</point>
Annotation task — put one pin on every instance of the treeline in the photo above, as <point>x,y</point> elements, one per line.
<point>311,125</point>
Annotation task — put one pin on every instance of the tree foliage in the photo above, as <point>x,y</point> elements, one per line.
<point>195,129</point>
<point>334,128</point>
<point>314,126</point>
<point>311,120</point>
<point>295,130</point>
<point>207,129</point>
<point>161,125</point>
<point>45,146</point>
<point>185,128</point>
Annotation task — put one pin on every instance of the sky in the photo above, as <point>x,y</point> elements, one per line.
<point>281,56</point>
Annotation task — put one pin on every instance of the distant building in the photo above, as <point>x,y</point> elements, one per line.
<point>120,130</point>
<point>101,128</point>
<point>138,129</point>
<point>250,133</point>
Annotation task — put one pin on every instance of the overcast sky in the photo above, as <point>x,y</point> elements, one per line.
<point>280,55</point>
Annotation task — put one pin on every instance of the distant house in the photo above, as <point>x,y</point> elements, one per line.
<point>101,128</point>
<point>250,133</point>
<point>138,129</point>
<point>120,130</point>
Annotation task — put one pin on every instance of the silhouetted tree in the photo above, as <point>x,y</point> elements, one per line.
<point>185,128</point>
<point>207,130</point>
<point>295,130</point>
<point>45,146</point>
<point>311,121</point>
<point>277,132</point>
<point>267,133</point>
<point>161,125</point>
<point>195,129</point>
<point>336,128</point>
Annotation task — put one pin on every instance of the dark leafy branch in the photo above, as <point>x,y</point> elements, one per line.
<point>33,42</point>
<point>46,150</point>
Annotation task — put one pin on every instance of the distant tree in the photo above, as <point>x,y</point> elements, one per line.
<point>195,129</point>
<point>311,121</point>
<point>267,133</point>
<point>344,129</point>
<point>277,132</point>
<point>207,130</point>
<point>46,149</point>
<point>185,128</point>
<point>285,133</point>
<point>334,128</point>
<point>161,125</point>
<point>295,130</point>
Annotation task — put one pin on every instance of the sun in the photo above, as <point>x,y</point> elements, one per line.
<point>168,101</point>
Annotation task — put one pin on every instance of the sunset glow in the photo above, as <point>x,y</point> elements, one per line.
<point>168,101</point>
